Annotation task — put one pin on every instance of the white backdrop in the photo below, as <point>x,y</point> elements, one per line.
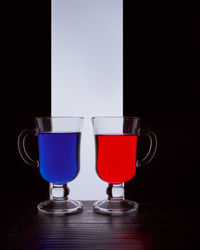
<point>87,75</point>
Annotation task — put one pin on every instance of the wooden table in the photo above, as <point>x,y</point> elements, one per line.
<point>157,225</point>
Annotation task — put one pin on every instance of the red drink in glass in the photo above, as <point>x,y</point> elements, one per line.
<point>116,157</point>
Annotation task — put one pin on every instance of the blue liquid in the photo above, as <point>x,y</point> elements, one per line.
<point>59,156</point>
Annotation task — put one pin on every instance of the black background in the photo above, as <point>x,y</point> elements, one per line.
<point>161,85</point>
<point>26,92</point>
<point>161,78</point>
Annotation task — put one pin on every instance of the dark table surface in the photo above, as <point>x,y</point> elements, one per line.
<point>157,225</point>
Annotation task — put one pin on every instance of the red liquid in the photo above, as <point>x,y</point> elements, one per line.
<point>116,157</point>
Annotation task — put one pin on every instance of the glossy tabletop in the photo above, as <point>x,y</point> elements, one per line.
<point>157,225</point>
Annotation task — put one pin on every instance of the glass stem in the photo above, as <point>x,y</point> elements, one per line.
<point>58,192</point>
<point>115,192</point>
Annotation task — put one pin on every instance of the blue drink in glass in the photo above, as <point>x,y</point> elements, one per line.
<point>59,156</point>
<point>59,146</point>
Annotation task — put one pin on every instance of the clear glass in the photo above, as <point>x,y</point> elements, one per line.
<point>116,147</point>
<point>59,147</point>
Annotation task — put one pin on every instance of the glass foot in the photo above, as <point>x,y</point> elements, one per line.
<point>60,207</point>
<point>115,207</point>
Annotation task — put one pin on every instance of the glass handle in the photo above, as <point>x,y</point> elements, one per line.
<point>21,147</point>
<point>152,148</point>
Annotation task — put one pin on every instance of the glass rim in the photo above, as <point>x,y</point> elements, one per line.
<point>59,117</point>
<point>122,117</point>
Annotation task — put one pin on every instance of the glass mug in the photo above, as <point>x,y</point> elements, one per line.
<point>59,147</point>
<point>116,146</point>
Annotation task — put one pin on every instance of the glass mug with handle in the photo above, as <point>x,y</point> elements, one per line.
<point>59,147</point>
<point>116,146</point>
